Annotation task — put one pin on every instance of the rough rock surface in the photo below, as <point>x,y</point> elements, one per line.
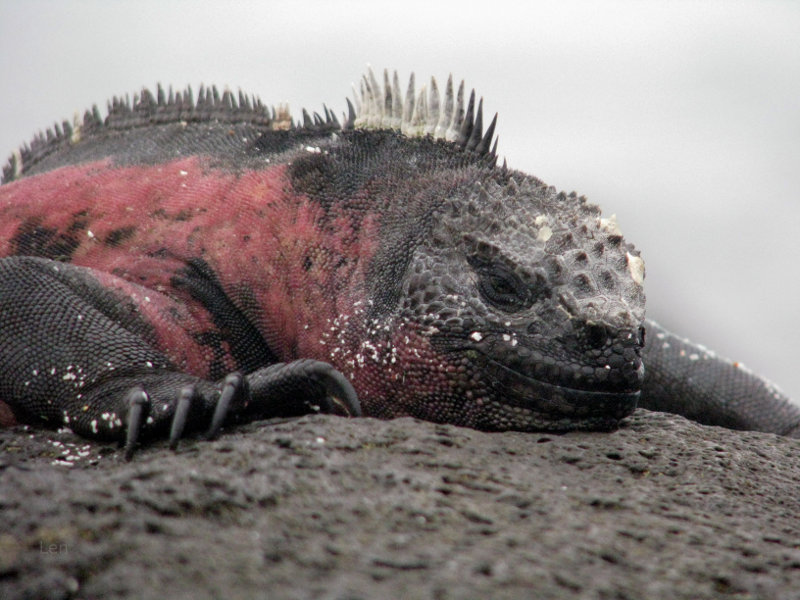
<point>324,507</point>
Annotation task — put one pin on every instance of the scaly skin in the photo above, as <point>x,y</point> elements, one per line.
<point>149,257</point>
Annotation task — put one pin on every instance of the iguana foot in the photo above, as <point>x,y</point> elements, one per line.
<point>287,389</point>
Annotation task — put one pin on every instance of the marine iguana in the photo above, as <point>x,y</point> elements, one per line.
<point>184,264</point>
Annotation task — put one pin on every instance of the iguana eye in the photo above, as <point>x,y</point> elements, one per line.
<point>503,289</point>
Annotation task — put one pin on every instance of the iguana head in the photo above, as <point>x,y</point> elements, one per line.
<point>518,307</point>
<point>541,301</point>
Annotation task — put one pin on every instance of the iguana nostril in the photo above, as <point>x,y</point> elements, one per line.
<point>597,335</point>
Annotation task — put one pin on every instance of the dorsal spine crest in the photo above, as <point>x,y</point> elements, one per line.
<point>376,107</point>
<point>422,114</point>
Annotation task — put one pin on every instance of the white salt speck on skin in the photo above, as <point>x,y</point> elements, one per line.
<point>635,268</point>
<point>545,233</point>
<point>610,225</point>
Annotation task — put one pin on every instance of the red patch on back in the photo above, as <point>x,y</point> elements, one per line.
<point>290,264</point>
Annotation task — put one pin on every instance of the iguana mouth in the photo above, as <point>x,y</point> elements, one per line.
<point>567,407</point>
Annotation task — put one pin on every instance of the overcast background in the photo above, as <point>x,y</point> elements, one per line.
<point>683,118</point>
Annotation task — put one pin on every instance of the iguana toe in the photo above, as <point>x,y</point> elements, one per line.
<point>138,405</point>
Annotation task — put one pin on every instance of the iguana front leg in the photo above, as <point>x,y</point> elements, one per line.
<point>688,379</point>
<point>76,354</point>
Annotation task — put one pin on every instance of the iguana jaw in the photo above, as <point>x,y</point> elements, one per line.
<point>566,407</point>
<point>511,399</point>
<point>509,385</point>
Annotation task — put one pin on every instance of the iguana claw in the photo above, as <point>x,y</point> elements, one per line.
<point>234,389</point>
<point>138,408</point>
<point>187,396</point>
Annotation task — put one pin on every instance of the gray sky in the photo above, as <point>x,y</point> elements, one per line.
<point>683,118</point>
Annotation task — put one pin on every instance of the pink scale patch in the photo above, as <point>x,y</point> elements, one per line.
<point>291,267</point>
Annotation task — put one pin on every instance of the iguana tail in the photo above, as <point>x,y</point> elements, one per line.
<point>688,379</point>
